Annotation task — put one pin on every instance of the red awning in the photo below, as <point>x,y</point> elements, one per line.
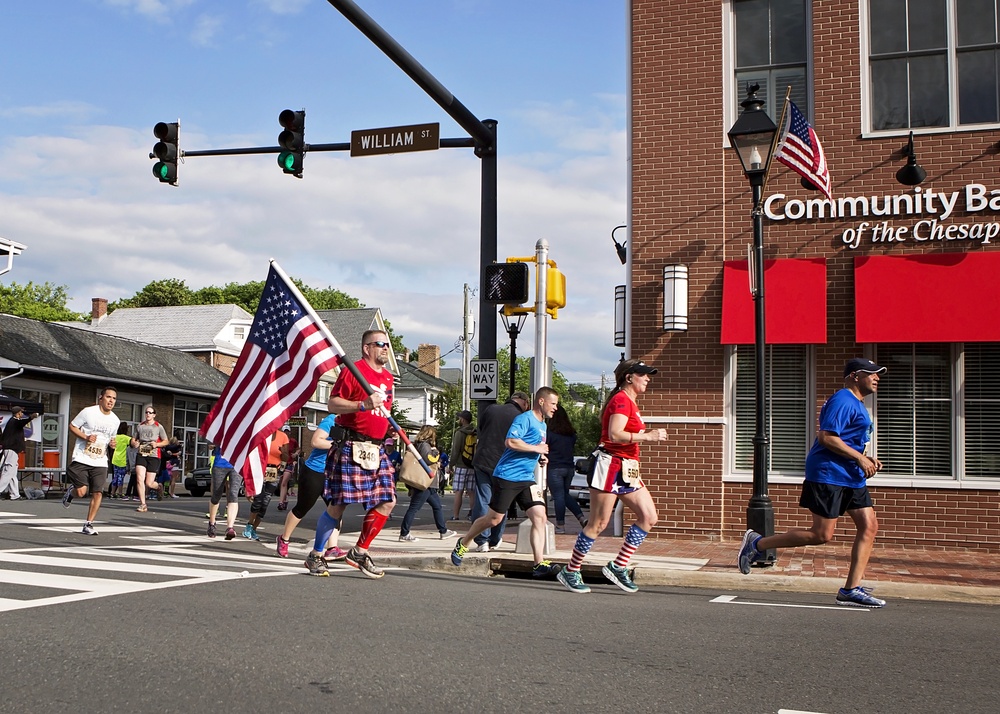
<point>794,302</point>
<point>944,297</point>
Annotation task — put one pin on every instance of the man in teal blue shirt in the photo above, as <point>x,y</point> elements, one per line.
<point>513,480</point>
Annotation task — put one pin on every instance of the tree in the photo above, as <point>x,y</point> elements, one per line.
<point>44,302</point>
<point>159,293</point>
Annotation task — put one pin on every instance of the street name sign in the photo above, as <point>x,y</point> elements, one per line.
<point>395,139</point>
<point>483,374</point>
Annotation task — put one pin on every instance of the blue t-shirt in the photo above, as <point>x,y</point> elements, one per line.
<point>220,461</point>
<point>846,416</point>
<point>317,457</point>
<point>520,465</point>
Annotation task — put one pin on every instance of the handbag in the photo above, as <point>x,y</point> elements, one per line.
<point>412,473</point>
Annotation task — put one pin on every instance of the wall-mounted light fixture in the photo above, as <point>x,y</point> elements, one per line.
<point>619,315</point>
<point>619,247</point>
<point>911,174</point>
<point>675,297</point>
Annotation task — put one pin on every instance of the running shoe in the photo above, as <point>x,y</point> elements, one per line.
<point>748,551</point>
<point>250,533</point>
<point>363,562</point>
<point>409,538</point>
<point>573,581</point>
<point>449,534</point>
<point>459,553</point>
<point>282,505</point>
<point>67,498</point>
<point>88,529</point>
<point>858,597</point>
<point>316,565</point>
<point>482,548</point>
<point>282,547</point>
<point>211,530</point>
<point>334,553</point>
<point>230,533</point>
<point>620,577</point>
<point>544,569</point>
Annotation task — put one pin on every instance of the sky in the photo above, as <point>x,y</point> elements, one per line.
<point>82,82</point>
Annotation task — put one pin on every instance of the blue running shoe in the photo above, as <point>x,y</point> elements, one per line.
<point>620,577</point>
<point>858,597</point>
<point>573,581</point>
<point>545,569</point>
<point>250,533</point>
<point>748,551</point>
<point>458,553</point>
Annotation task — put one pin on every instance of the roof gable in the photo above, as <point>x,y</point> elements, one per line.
<point>179,326</point>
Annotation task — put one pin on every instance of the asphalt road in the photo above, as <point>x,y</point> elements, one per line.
<point>156,618</point>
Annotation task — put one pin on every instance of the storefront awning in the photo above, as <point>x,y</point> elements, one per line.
<point>944,297</point>
<point>794,302</point>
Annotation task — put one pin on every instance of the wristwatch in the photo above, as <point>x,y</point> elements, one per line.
<point>361,407</point>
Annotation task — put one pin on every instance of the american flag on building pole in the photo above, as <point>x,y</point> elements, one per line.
<point>799,149</point>
<point>287,351</point>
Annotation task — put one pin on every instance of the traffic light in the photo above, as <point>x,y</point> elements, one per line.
<point>292,140</point>
<point>555,290</point>
<point>505,283</point>
<point>166,150</point>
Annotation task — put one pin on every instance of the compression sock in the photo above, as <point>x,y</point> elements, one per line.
<point>325,526</point>
<point>633,539</point>
<point>580,550</point>
<point>371,527</point>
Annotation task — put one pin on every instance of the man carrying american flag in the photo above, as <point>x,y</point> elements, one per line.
<point>358,469</point>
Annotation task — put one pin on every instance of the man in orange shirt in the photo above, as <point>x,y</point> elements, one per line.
<point>277,457</point>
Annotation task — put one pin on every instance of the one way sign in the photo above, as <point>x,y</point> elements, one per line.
<point>483,373</point>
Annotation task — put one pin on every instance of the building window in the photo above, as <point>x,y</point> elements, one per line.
<point>239,333</point>
<point>189,415</point>
<point>932,63</point>
<point>788,386</point>
<point>772,50</point>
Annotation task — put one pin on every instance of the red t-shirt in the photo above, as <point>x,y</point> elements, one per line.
<point>368,423</point>
<point>621,403</point>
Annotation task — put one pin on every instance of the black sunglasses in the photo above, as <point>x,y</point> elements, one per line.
<point>380,345</point>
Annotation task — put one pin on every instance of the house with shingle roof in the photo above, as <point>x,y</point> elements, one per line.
<point>65,367</point>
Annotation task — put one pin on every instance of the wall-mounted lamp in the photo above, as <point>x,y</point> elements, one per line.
<point>620,247</point>
<point>619,315</point>
<point>911,174</point>
<point>675,297</point>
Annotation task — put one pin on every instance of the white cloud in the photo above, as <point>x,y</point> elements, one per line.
<point>206,27</point>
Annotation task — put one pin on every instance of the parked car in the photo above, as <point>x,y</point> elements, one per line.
<point>579,488</point>
<point>199,481</point>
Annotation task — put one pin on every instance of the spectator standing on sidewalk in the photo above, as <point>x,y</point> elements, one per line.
<point>95,428</point>
<point>426,444</point>
<point>494,424</point>
<point>837,470</point>
<point>463,476</point>
<point>622,429</point>
<point>562,441</point>
<point>13,445</point>
<point>513,481</point>
<point>119,461</point>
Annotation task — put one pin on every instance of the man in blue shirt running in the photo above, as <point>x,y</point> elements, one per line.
<point>514,480</point>
<point>837,470</point>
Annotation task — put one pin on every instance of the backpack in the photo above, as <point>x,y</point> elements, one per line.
<point>469,448</point>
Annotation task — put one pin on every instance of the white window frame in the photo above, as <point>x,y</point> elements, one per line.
<point>867,130</point>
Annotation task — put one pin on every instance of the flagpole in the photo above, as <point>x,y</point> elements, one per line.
<point>351,367</point>
<point>777,136</point>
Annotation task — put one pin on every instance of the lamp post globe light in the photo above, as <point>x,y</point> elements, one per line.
<point>752,137</point>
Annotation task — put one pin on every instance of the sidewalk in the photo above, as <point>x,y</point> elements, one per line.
<point>957,575</point>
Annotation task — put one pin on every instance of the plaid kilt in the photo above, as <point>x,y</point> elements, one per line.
<point>346,482</point>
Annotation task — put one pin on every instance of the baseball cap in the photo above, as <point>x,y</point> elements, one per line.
<point>632,366</point>
<point>860,364</point>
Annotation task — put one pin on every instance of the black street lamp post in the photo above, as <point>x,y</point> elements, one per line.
<point>752,136</point>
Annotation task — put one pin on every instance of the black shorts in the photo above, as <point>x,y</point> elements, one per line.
<point>94,477</point>
<point>506,492</point>
<point>150,463</point>
<point>829,501</point>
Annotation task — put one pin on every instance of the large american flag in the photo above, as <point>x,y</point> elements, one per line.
<point>285,354</point>
<point>799,149</point>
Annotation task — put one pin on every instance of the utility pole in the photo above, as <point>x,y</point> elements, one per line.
<point>466,348</point>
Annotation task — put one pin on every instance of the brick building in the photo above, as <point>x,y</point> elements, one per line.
<point>902,274</point>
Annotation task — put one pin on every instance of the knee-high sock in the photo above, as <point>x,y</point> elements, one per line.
<point>371,527</point>
<point>580,550</point>
<point>633,539</point>
<point>326,525</point>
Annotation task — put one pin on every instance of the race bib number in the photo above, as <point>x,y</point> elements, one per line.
<point>95,449</point>
<point>146,449</point>
<point>271,473</point>
<point>630,471</point>
<point>536,494</point>
<point>365,455</point>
